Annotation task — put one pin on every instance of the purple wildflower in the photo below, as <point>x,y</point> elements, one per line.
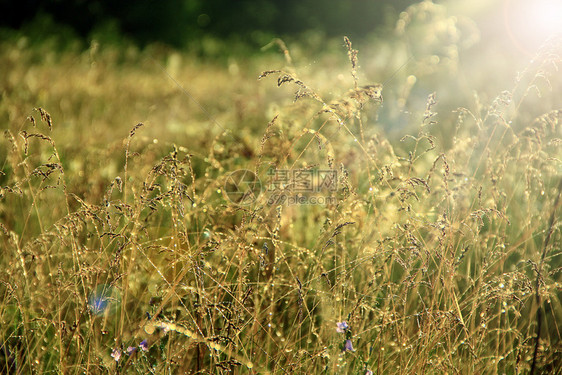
<point>342,327</point>
<point>368,372</point>
<point>348,346</point>
<point>116,354</point>
<point>144,346</point>
<point>131,350</point>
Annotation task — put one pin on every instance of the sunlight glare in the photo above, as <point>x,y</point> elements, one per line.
<point>530,23</point>
<point>546,16</point>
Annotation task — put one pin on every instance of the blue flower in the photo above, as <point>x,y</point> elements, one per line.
<point>348,346</point>
<point>342,327</point>
<point>144,346</point>
<point>131,350</point>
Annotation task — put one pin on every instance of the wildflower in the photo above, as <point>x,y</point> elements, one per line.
<point>144,346</point>
<point>368,372</point>
<point>342,327</point>
<point>116,354</point>
<point>164,327</point>
<point>348,346</point>
<point>131,350</point>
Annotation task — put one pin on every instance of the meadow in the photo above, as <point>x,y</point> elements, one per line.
<point>436,248</point>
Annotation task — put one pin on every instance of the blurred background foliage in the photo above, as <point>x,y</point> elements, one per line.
<point>181,22</point>
<point>455,48</point>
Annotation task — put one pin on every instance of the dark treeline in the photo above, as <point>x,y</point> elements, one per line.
<point>177,22</point>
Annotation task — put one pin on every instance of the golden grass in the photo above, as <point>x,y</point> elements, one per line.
<point>115,227</point>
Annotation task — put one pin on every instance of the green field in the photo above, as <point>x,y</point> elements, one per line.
<point>436,237</point>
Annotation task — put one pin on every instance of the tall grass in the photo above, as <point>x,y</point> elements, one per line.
<point>441,252</point>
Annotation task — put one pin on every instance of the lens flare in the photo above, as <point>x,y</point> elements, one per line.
<point>104,298</point>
